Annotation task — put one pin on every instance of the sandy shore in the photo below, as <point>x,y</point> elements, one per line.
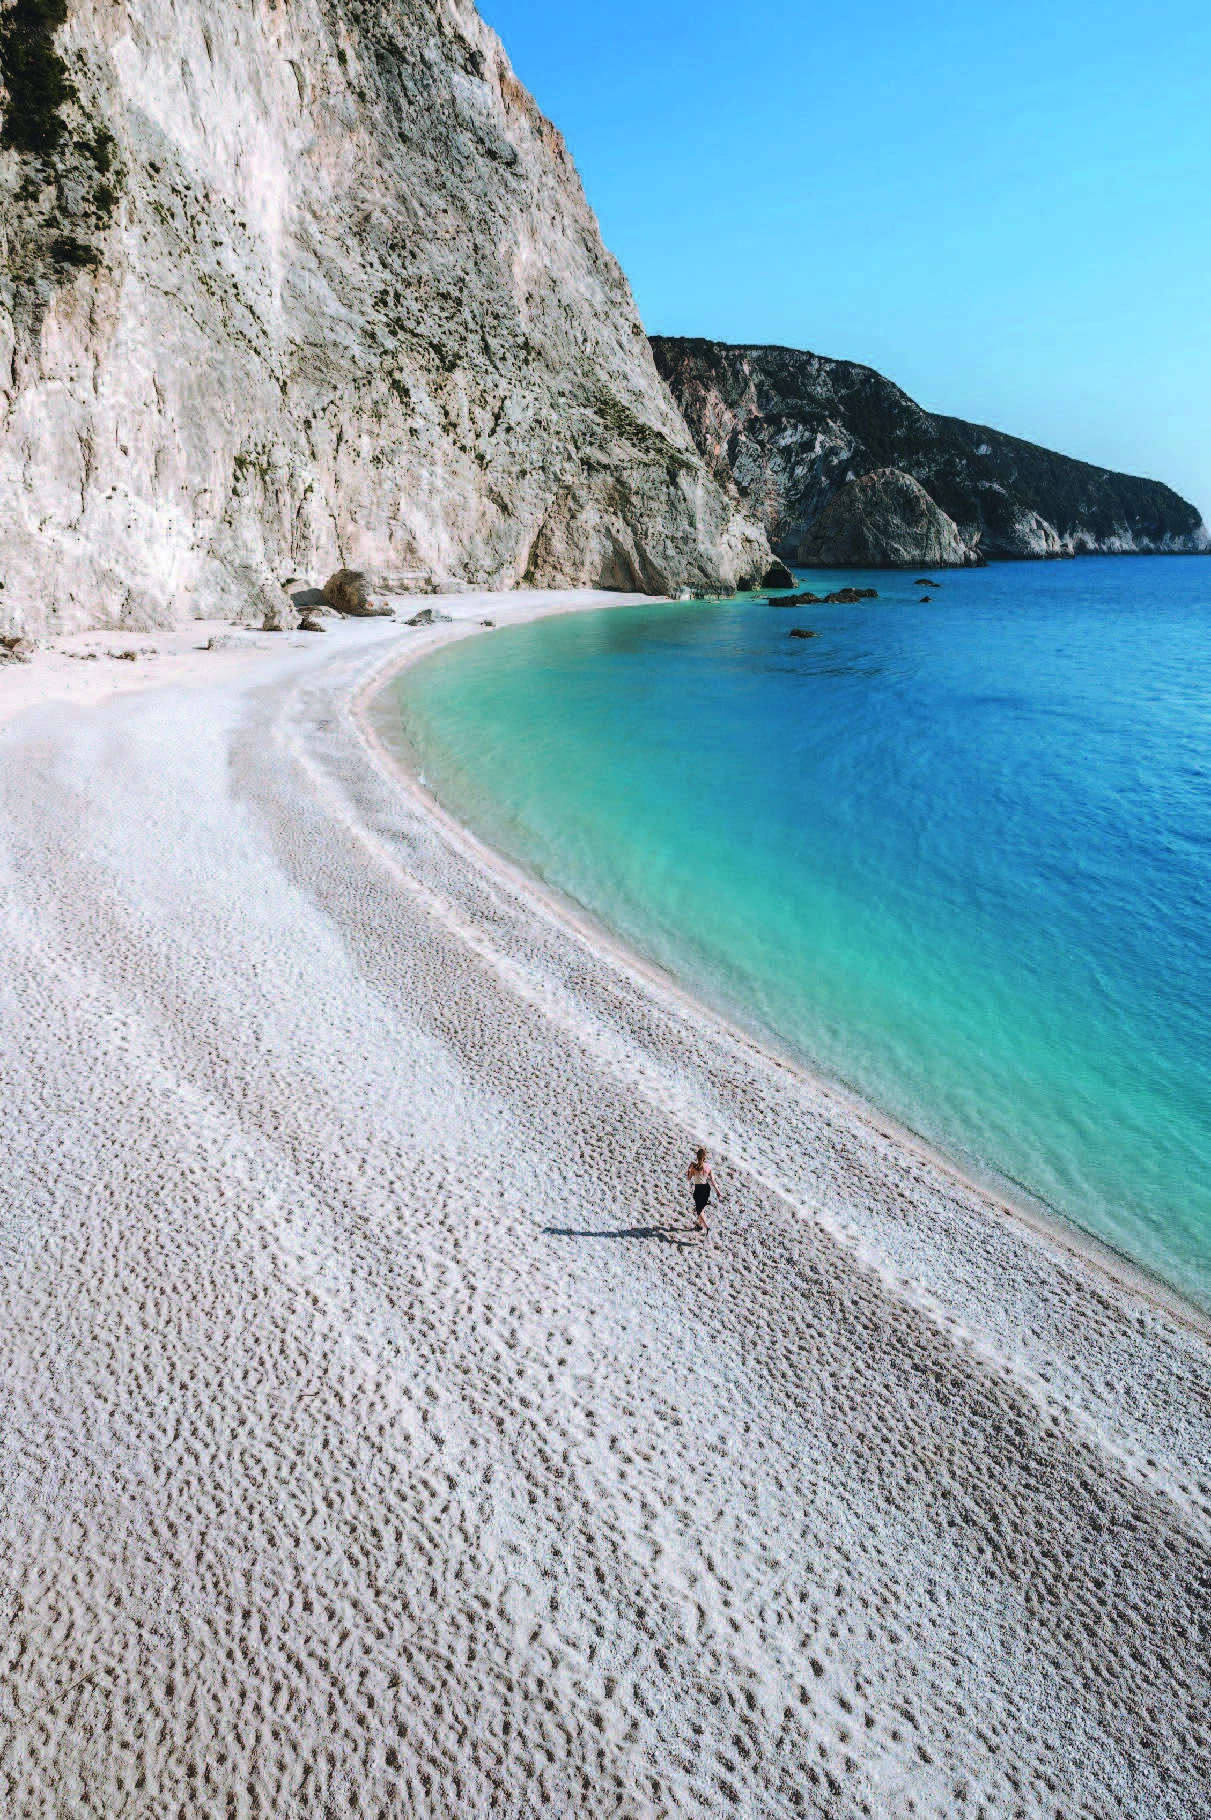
<point>376,1437</point>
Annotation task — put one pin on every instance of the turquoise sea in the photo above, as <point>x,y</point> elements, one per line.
<point>954,852</point>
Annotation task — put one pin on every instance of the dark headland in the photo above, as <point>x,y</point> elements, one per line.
<point>845,469</point>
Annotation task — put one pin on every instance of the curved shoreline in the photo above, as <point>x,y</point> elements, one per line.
<point>374,1423</point>
<point>1005,1199</point>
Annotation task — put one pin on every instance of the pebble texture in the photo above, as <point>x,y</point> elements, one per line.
<point>375,1438</point>
<point>285,289</point>
<point>792,428</point>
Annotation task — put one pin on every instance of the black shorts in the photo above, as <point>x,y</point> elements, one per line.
<point>702,1194</point>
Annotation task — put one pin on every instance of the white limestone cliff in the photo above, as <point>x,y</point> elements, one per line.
<point>288,288</point>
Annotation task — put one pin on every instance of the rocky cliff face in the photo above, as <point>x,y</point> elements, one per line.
<point>284,288</point>
<point>884,520</point>
<point>792,429</point>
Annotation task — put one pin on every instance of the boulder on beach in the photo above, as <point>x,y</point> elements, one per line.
<point>428,616</point>
<point>884,520</point>
<point>269,599</point>
<point>345,592</point>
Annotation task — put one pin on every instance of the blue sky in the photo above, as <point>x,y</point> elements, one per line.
<point>1006,209</point>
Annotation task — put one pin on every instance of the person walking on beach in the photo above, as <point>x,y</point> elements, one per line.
<point>701,1178</point>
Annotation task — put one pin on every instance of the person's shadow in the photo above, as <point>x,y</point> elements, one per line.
<point>671,1235</point>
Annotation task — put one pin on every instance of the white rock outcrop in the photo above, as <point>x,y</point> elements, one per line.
<point>285,289</point>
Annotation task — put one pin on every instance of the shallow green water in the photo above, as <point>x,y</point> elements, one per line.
<point>955,853</point>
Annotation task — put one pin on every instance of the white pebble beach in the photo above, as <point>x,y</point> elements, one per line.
<point>379,1439</point>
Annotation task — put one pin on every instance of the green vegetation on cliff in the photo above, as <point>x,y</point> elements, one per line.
<point>35,77</point>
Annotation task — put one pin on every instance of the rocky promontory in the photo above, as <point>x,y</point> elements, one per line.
<point>886,520</point>
<point>291,289</point>
<point>793,429</point>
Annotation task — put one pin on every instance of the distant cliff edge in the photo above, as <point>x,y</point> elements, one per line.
<point>794,430</point>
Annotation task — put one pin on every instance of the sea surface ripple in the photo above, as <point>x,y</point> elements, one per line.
<point>954,851</point>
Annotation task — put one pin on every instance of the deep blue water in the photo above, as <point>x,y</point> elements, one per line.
<point>954,852</point>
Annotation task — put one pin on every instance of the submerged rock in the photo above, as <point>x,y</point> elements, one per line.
<point>884,520</point>
<point>841,597</point>
<point>802,632</point>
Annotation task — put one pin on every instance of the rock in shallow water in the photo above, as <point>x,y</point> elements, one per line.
<point>773,575</point>
<point>842,597</point>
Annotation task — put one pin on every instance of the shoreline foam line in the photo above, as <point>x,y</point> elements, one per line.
<point>372,1420</point>
<point>1006,1199</point>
